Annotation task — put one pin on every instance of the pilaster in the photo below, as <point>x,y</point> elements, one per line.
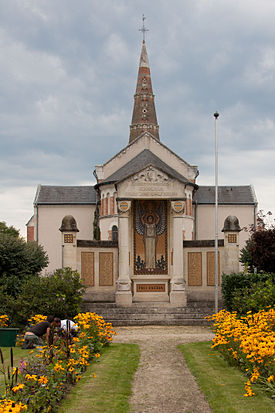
<point>123,291</point>
<point>178,293</point>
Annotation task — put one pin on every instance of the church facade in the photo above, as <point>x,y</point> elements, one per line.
<point>145,231</point>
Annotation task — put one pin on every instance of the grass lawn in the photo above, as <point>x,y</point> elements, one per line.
<point>110,390</point>
<point>223,385</point>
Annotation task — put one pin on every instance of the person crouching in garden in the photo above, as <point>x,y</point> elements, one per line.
<point>33,336</point>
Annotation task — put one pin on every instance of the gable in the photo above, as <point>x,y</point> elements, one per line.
<point>143,142</point>
<point>143,160</point>
<point>150,183</point>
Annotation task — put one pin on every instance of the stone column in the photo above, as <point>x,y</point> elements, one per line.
<point>123,292</point>
<point>69,242</point>
<point>231,231</point>
<point>178,293</point>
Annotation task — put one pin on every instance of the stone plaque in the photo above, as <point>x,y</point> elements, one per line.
<point>106,269</point>
<point>211,268</point>
<point>195,268</point>
<point>232,238</point>
<point>87,268</point>
<point>150,288</point>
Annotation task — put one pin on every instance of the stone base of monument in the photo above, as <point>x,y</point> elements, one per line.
<point>178,298</point>
<point>124,298</point>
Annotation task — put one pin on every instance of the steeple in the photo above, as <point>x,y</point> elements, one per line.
<point>144,113</point>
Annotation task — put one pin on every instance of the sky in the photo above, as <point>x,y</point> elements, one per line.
<point>68,72</point>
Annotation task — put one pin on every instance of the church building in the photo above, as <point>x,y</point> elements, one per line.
<point>145,231</point>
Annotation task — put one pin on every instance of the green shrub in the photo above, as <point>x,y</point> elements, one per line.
<point>19,261</point>
<point>258,297</point>
<point>236,283</point>
<point>59,294</point>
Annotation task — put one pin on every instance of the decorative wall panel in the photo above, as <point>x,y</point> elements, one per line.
<point>194,268</point>
<point>87,268</point>
<point>211,268</point>
<point>150,237</point>
<point>106,277</point>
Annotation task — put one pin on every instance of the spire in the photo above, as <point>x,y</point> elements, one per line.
<point>144,113</point>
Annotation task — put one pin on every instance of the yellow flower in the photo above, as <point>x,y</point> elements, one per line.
<point>270,379</point>
<point>43,380</point>
<point>18,387</point>
<point>97,355</point>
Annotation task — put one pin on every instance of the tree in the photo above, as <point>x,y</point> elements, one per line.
<point>259,251</point>
<point>4,229</point>
<point>19,260</point>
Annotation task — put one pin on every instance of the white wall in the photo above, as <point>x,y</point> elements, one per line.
<point>206,220</point>
<point>49,222</point>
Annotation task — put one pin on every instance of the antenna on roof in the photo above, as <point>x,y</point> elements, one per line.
<point>143,29</point>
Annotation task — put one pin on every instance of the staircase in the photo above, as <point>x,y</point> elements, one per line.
<point>141,314</point>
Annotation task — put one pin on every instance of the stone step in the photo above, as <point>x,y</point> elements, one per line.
<point>152,313</point>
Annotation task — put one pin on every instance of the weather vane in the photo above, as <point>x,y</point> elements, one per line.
<point>143,29</point>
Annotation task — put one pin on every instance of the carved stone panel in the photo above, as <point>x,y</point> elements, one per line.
<point>211,268</point>
<point>150,183</point>
<point>106,269</point>
<point>194,268</point>
<point>87,268</point>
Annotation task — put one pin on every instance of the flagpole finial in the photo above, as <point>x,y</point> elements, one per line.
<point>216,115</point>
<point>143,29</point>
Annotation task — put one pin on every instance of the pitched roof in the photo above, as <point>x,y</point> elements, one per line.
<point>48,194</point>
<point>226,195</point>
<point>141,161</point>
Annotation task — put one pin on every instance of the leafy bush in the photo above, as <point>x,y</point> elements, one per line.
<point>258,297</point>
<point>59,294</point>
<point>19,261</point>
<point>240,282</point>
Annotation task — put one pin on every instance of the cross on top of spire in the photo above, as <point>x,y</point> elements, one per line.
<point>143,29</point>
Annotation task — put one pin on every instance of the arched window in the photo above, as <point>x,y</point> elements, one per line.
<point>114,233</point>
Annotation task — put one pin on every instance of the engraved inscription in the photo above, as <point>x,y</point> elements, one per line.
<point>87,268</point>
<point>211,268</point>
<point>106,269</point>
<point>151,288</point>
<point>195,268</point>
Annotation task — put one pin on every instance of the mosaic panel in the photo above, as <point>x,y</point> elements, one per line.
<point>194,268</point>
<point>68,238</point>
<point>87,269</point>
<point>150,237</point>
<point>106,269</point>
<point>232,238</point>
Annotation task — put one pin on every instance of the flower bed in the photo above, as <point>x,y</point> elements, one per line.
<point>39,383</point>
<point>248,342</point>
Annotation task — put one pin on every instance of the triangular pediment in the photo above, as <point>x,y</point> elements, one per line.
<point>149,183</point>
<point>143,160</point>
<point>146,142</point>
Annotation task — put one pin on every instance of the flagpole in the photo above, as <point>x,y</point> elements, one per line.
<point>216,115</point>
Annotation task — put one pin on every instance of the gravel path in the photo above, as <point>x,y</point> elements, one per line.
<point>162,382</point>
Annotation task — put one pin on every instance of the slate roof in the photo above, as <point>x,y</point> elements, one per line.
<point>226,195</point>
<point>47,194</point>
<point>141,161</point>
